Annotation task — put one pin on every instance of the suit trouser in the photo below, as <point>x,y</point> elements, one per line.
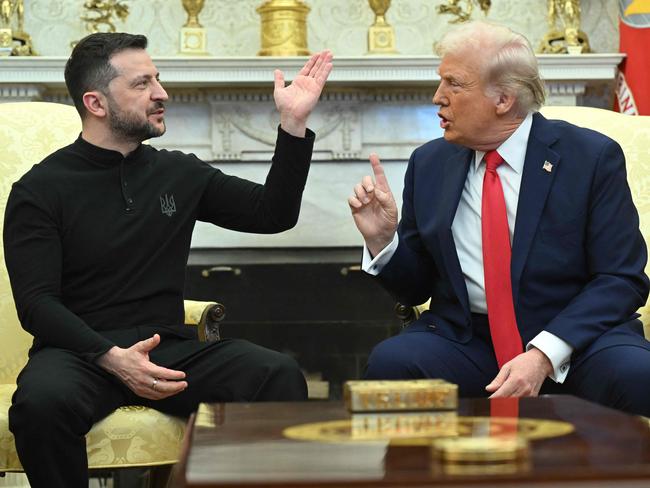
<point>616,376</point>
<point>60,396</point>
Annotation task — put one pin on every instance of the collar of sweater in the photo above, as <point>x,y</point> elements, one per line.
<point>107,157</point>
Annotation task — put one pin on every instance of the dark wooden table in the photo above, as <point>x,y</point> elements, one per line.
<point>245,445</point>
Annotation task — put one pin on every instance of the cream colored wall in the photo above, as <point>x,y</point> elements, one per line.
<point>233,25</point>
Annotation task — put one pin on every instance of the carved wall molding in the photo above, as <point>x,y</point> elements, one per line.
<point>21,93</point>
<point>183,72</point>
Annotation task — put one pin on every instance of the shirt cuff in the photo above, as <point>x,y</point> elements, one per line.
<point>557,351</point>
<point>374,265</point>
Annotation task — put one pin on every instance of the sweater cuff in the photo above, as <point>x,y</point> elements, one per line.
<point>290,147</point>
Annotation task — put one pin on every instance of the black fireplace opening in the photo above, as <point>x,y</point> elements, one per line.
<point>314,304</point>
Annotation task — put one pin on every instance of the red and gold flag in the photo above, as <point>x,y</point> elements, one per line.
<point>633,80</point>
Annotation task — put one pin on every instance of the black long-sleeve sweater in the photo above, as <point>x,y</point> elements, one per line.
<point>96,242</point>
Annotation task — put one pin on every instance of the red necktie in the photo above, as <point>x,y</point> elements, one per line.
<point>496,265</point>
<point>504,417</point>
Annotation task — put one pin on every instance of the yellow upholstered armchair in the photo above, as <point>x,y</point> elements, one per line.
<point>131,436</point>
<point>633,134</point>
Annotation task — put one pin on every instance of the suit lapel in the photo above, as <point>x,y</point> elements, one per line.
<point>536,182</point>
<point>454,174</point>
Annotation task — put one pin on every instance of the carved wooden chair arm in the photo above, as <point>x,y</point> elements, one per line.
<point>408,314</point>
<point>206,316</point>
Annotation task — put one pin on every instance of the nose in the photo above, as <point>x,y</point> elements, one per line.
<point>159,93</point>
<point>438,96</point>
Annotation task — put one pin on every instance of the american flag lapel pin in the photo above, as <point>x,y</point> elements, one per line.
<point>548,166</point>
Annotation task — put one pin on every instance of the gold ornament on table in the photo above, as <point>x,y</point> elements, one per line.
<point>284,28</point>
<point>564,34</point>
<point>14,41</point>
<point>454,7</point>
<point>381,35</point>
<point>193,36</point>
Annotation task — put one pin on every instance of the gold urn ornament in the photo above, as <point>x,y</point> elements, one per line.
<point>193,39</point>
<point>284,28</point>
<point>381,35</point>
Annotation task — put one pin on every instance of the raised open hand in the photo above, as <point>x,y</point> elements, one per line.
<point>296,101</point>
<point>374,209</point>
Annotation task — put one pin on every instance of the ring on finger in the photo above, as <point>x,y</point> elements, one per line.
<point>154,383</point>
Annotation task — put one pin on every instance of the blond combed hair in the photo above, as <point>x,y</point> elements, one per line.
<point>508,63</point>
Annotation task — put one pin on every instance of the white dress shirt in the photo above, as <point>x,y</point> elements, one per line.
<point>466,229</point>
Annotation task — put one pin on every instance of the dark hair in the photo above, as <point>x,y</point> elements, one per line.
<point>89,67</point>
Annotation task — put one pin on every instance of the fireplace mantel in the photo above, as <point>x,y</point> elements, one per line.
<point>44,73</point>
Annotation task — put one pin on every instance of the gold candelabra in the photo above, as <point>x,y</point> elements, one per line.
<point>381,35</point>
<point>564,34</point>
<point>14,41</point>
<point>454,7</point>
<point>284,28</point>
<point>193,40</point>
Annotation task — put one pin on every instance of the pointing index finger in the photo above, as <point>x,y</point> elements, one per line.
<point>380,177</point>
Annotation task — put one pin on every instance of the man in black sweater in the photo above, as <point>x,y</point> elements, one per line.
<point>96,241</point>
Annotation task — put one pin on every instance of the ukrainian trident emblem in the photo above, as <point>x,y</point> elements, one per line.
<point>167,205</point>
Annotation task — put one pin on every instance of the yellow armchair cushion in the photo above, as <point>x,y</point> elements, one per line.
<point>135,436</point>
<point>130,436</point>
<point>28,133</point>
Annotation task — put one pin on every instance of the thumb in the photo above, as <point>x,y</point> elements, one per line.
<point>499,379</point>
<point>148,344</point>
<point>279,79</point>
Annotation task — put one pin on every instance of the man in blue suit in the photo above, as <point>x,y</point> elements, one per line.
<point>523,233</point>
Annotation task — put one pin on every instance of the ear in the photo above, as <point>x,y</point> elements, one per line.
<point>95,103</point>
<point>505,103</point>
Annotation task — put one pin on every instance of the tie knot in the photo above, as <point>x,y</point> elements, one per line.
<point>492,160</point>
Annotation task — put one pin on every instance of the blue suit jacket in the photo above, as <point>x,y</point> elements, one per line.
<point>578,256</point>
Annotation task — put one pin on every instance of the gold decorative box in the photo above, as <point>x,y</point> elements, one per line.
<point>403,425</point>
<point>392,395</point>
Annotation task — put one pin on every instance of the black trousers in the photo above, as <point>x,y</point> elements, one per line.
<point>60,396</point>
